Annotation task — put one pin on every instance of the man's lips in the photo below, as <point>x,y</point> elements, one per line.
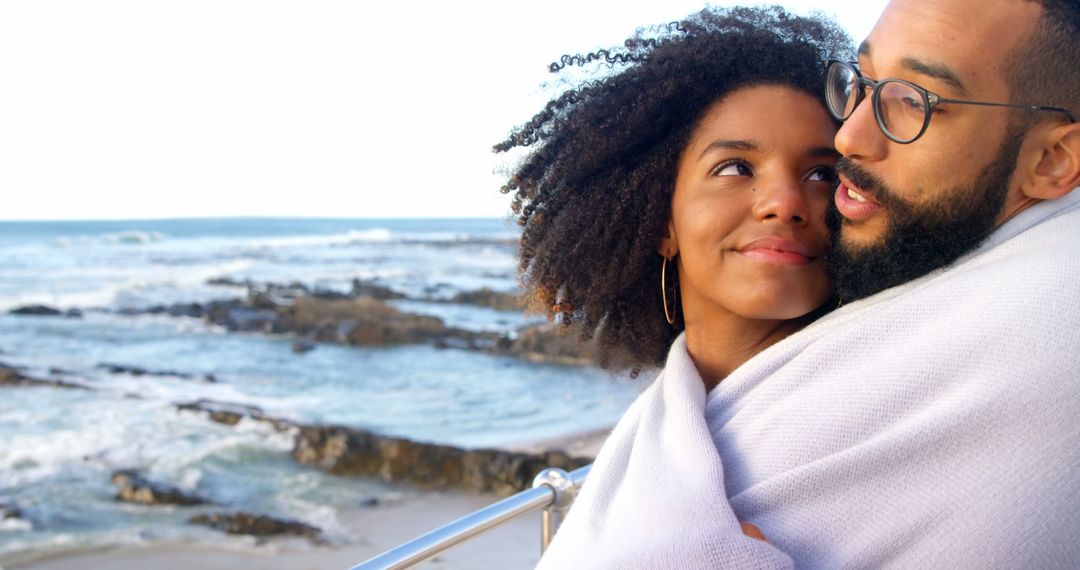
<point>775,249</point>
<point>853,202</point>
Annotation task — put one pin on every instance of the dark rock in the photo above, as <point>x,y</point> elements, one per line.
<point>230,413</point>
<point>277,293</point>
<point>134,488</point>
<point>37,310</point>
<point>370,289</point>
<point>363,318</point>
<point>549,343</point>
<point>11,376</point>
<point>294,289</point>
<point>369,503</point>
<point>251,320</point>
<point>266,301</point>
<point>9,510</point>
<point>363,321</point>
<point>193,310</point>
<point>222,412</point>
<point>227,282</point>
<point>300,346</point>
<point>217,312</point>
<point>136,371</point>
<point>329,295</point>
<point>437,290</point>
<point>348,451</point>
<point>121,369</point>
<point>257,525</point>
<point>489,298</point>
<point>288,290</point>
<point>468,340</point>
<point>359,321</point>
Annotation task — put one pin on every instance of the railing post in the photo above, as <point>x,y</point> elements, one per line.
<point>560,482</point>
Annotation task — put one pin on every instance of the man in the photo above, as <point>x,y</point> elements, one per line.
<point>931,420</point>
<point>932,423</point>
<point>909,208</point>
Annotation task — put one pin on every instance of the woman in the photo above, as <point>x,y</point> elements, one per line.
<point>675,212</point>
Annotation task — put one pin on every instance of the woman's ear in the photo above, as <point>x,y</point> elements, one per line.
<point>1057,170</point>
<point>669,242</point>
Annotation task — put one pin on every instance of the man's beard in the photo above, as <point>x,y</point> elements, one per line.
<point>918,238</point>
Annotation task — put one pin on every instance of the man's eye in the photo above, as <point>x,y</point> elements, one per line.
<point>733,168</point>
<point>824,174</point>
<point>914,103</point>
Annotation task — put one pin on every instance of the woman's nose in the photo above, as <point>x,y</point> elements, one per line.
<point>783,201</point>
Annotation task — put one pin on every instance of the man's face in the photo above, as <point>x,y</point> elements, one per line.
<point>904,210</point>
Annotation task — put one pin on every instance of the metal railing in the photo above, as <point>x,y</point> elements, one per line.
<point>553,491</point>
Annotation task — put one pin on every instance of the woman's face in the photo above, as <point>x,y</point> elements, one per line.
<point>747,217</point>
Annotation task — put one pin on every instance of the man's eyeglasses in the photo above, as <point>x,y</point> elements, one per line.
<point>901,108</point>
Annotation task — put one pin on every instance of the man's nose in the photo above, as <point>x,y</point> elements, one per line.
<point>859,136</point>
<point>783,201</point>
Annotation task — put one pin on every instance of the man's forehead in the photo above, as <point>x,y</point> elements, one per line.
<point>938,70</point>
<point>957,42</point>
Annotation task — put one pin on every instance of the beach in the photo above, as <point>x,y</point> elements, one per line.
<point>515,544</point>
<point>170,386</point>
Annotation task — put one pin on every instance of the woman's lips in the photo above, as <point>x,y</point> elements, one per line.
<point>853,203</point>
<point>774,256</point>
<point>777,250</point>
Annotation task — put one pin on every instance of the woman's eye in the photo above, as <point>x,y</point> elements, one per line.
<point>824,174</point>
<point>733,168</point>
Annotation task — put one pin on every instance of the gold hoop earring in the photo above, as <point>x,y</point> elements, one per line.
<point>668,315</point>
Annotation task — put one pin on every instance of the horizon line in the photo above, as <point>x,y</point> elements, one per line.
<point>254,217</point>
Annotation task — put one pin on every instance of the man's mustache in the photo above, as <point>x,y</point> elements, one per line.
<point>862,178</point>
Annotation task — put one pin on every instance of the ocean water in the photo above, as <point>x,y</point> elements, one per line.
<point>60,446</point>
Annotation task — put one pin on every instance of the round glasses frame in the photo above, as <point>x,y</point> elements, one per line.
<point>929,100</point>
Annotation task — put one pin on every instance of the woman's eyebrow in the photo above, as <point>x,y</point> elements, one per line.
<point>823,152</point>
<point>726,144</point>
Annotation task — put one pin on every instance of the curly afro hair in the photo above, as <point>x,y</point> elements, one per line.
<point>593,193</point>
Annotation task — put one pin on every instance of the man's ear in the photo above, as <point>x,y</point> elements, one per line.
<point>1056,161</point>
<point>669,242</point>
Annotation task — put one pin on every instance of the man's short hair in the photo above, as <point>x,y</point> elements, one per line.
<point>1044,69</point>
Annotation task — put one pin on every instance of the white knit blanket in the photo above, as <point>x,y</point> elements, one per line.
<point>934,425</point>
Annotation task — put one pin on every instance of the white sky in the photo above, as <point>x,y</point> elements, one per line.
<point>120,109</point>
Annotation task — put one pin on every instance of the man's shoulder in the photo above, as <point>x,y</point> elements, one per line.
<point>1051,227</point>
<point>1033,267</point>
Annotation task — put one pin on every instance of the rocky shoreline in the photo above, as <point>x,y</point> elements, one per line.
<point>352,452</point>
<point>222,393</point>
<point>343,450</point>
<point>14,376</point>
<point>363,317</point>
<point>335,449</point>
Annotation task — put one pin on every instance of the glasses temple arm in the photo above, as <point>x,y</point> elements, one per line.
<point>1072,118</point>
